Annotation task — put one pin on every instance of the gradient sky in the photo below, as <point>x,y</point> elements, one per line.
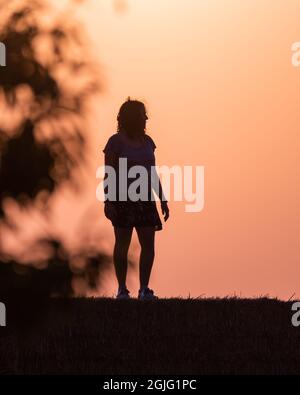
<point>221,92</point>
<point>217,78</point>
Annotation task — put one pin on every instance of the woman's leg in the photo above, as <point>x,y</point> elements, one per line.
<point>146,237</point>
<point>122,242</point>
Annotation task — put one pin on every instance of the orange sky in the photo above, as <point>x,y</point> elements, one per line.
<point>218,81</point>
<point>221,92</point>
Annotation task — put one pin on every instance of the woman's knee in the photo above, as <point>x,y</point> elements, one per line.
<point>122,241</point>
<point>148,249</point>
<point>121,250</point>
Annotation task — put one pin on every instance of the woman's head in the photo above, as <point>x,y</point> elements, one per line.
<point>132,118</point>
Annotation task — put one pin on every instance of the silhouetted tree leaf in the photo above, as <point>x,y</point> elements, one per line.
<point>43,90</point>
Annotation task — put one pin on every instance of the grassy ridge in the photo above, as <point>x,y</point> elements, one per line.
<point>168,336</point>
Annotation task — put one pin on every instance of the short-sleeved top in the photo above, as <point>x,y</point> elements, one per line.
<point>139,155</point>
<point>136,156</point>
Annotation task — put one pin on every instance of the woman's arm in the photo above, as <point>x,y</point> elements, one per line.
<point>157,187</point>
<point>110,159</point>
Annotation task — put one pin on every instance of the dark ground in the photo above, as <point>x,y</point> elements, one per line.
<point>169,336</point>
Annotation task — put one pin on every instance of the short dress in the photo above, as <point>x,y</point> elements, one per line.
<point>140,213</point>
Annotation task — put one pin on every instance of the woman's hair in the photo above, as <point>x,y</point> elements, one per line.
<point>131,118</point>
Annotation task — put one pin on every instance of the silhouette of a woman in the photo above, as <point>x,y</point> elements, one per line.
<point>132,143</point>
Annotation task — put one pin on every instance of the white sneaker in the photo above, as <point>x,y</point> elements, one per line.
<point>147,294</point>
<point>123,293</point>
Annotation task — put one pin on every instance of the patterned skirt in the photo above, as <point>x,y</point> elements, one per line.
<point>140,213</point>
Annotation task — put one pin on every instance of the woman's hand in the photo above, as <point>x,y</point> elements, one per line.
<point>165,209</point>
<point>110,210</point>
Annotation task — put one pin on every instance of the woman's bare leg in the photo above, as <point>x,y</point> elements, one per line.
<point>146,236</point>
<point>122,242</point>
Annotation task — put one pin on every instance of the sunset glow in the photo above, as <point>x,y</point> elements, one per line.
<point>221,92</point>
